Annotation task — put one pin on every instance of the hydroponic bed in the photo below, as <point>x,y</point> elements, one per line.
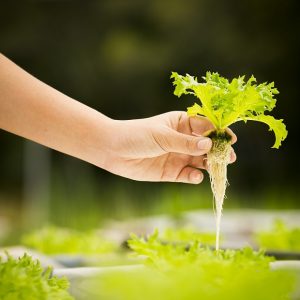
<point>178,260</point>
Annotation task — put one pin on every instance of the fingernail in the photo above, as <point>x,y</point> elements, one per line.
<point>204,144</point>
<point>196,177</point>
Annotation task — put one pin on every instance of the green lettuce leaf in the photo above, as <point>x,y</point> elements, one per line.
<point>24,278</point>
<point>189,271</point>
<point>226,102</point>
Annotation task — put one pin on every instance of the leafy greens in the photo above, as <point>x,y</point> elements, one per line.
<point>280,237</point>
<point>24,278</point>
<point>174,271</point>
<point>226,102</point>
<point>55,240</point>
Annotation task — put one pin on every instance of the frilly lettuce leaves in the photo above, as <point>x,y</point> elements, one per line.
<point>25,278</point>
<point>226,102</point>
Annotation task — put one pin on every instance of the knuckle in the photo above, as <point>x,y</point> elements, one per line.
<point>191,144</point>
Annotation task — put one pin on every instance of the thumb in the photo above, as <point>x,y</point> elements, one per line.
<point>187,144</point>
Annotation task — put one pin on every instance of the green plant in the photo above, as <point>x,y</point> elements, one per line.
<point>280,237</point>
<point>174,272</point>
<point>164,255</point>
<point>226,102</point>
<point>55,240</point>
<point>25,279</point>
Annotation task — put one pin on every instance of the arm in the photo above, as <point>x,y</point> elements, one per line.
<point>36,111</point>
<point>161,148</point>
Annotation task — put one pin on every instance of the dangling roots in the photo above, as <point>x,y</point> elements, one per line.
<point>217,161</point>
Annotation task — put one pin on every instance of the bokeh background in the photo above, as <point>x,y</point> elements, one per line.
<point>116,56</point>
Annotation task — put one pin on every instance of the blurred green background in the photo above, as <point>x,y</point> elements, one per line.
<point>116,56</point>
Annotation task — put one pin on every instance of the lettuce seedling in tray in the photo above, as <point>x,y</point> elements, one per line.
<point>280,237</point>
<point>24,278</point>
<point>174,272</point>
<point>55,240</point>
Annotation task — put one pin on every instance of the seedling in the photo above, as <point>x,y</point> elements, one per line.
<point>173,271</point>
<point>54,240</point>
<point>25,278</point>
<point>224,103</point>
<point>280,237</point>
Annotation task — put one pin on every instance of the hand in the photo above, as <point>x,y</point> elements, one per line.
<point>161,148</point>
<point>166,147</point>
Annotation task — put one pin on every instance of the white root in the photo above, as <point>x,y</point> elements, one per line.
<point>217,161</point>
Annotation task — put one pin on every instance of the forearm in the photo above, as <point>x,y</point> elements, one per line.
<point>34,110</point>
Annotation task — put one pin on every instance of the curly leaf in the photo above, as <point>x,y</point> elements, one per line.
<point>275,125</point>
<point>183,83</point>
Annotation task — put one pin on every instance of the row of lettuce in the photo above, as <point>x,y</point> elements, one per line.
<point>55,240</point>
<point>176,265</point>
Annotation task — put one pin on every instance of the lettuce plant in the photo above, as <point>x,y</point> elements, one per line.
<point>280,237</point>
<point>224,103</point>
<point>174,272</point>
<point>25,279</point>
<point>55,240</point>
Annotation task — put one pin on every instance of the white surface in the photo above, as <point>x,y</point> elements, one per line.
<point>92,271</point>
<point>286,265</point>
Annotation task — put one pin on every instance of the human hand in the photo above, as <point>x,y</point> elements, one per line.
<point>168,147</point>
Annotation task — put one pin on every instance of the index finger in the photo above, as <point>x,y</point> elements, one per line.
<point>200,125</point>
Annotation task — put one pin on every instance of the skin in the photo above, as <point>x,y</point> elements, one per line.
<point>167,147</point>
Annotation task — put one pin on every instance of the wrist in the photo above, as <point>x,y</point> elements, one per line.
<point>100,140</point>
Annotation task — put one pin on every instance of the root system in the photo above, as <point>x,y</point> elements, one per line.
<point>217,161</point>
